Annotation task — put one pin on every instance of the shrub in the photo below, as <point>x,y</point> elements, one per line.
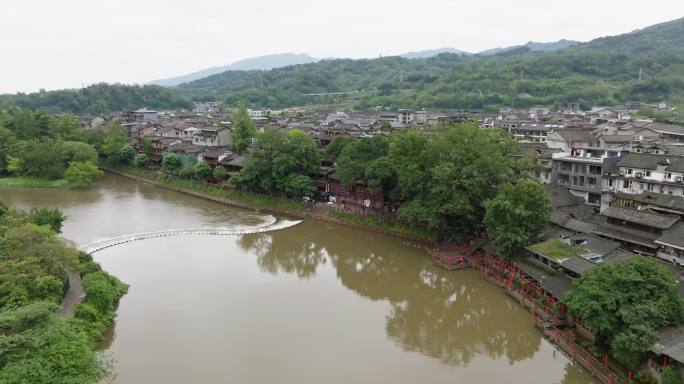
<point>202,171</point>
<point>670,376</point>
<point>141,160</point>
<point>82,174</point>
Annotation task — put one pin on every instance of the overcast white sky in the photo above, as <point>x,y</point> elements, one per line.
<point>55,44</point>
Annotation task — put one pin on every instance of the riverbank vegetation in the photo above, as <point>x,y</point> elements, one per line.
<point>625,303</point>
<point>39,150</point>
<point>36,345</point>
<point>443,182</point>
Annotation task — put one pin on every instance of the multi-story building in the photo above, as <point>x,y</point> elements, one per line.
<point>212,137</point>
<point>581,170</point>
<point>646,172</point>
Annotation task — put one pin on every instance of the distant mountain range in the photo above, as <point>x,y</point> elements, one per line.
<point>644,65</point>
<point>533,46</point>
<point>280,60</point>
<point>433,52</point>
<point>255,63</point>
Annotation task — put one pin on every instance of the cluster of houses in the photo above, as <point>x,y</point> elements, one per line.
<point>616,180</point>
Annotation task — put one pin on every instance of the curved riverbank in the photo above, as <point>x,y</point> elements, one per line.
<point>300,214</point>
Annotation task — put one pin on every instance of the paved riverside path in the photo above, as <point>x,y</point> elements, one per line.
<point>73,296</point>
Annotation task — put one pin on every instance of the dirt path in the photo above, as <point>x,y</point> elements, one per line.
<point>73,296</point>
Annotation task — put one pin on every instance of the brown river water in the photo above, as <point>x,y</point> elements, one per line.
<point>306,303</point>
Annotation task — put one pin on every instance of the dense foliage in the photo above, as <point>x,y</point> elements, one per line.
<point>37,346</point>
<point>243,130</point>
<point>517,213</point>
<point>625,303</point>
<point>35,144</point>
<point>439,182</point>
<point>98,99</point>
<point>280,161</point>
<point>602,72</point>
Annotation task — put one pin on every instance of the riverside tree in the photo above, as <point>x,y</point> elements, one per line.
<point>275,157</point>
<point>82,174</point>
<point>625,303</point>
<point>171,163</point>
<point>202,171</point>
<point>39,346</point>
<point>52,217</point>
<point>141,160</point>
<point>518,211</point>
<point>244,130</point>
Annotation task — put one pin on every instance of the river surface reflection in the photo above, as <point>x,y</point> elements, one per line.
<point>313,303</point>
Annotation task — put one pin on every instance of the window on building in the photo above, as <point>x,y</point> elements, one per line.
<point>668,175</point>
<point>629,171</point>
<point>591,181</point>
<point>581,181</point>
<point>626,184</point>
<point>574,180</point>
<point>648,173</point>
<point>595,169</point>
<point>610,182</point>
<point>651,187</point>
<point>594,199</point>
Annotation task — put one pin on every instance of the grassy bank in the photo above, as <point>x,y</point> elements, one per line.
<point>279,205</point>
<point>397,228</point>
<point>32,182</point>
<point>254,200</point>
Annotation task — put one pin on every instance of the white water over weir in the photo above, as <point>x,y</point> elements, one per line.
<point>273,225</point>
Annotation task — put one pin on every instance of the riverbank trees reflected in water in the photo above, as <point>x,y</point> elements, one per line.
<point>451,316</point>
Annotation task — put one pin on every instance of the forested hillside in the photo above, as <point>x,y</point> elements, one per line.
<point>97,99</point>
<point>601,72</point>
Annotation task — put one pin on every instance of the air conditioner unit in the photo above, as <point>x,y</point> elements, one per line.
<point>679,179</point>
<point>622,173</point>
<point>639,175</point>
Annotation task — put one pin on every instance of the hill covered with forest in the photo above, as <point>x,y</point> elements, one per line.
<point>645,65</point>
<point>97,99</point>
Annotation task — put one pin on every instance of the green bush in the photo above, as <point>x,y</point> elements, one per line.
<point>141,160</point>
<point>670,376</point>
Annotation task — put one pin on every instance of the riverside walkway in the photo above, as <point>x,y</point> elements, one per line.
<point>546,315</point>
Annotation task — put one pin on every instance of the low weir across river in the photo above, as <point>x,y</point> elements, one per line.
<point>289,302</point>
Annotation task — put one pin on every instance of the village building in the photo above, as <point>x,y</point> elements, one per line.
<point>212,137</point>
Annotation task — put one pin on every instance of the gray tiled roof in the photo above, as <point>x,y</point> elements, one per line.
<point>642,217</point>
<point>650,161</point>
<point>577,264</point>
<point>655,199</point>
<point>578,136</point>
<point>670,342</point>
<point>673,236</point>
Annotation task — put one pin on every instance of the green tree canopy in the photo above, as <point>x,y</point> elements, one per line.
<point>82,174</point>
<point>52,217</point>
<point>171,163</point>
<point>276,157</point>
<point>141,160</point>
<point>243,130</point>
<point>517,213</point>
<point>202,171</point>
<point>625,303</point>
